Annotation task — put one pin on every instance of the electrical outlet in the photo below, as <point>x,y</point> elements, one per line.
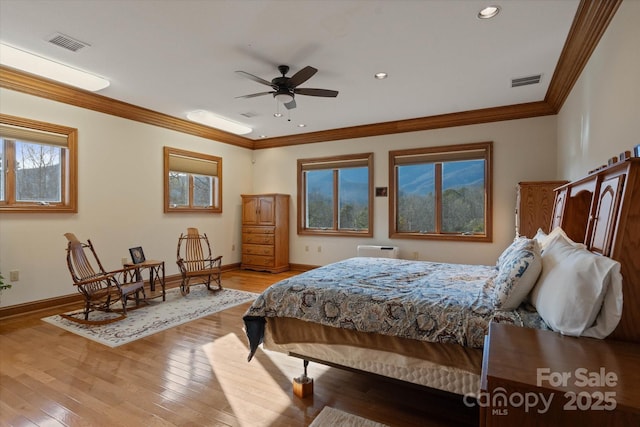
<point>319,248</point>
<point>14,276</point>
<point>416,255</point>
<point>233,247</point>
<point>306,248</point>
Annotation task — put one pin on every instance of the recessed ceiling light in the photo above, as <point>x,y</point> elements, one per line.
<point>381,76</point>
<point>489,12</point>
<point>210,119</point>
<point>277,114</point>
<point>302,125</point>
<point>263,136</point>
<point>25,61</point>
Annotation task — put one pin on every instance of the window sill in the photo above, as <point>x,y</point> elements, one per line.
<point>448,237</point>
<point>336,233</point>
<point>38,209</point>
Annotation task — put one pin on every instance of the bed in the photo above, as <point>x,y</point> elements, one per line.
<point>421,322</point>
<point>425,323</point>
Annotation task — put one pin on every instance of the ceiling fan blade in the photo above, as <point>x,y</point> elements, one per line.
<point>254,78</point>
<point>290,105</point>
<point>316,92</point>
<point>253,95</point>
<point>301,76</point>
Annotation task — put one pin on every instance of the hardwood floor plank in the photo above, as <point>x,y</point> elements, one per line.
<point>195,374</point>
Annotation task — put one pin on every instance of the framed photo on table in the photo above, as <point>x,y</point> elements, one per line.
<point>137,255</point>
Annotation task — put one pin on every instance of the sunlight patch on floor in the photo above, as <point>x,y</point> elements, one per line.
<point>255,386</point>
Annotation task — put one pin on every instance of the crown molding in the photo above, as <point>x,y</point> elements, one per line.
<point>485,115</point>
<point>590,22</point>
<point>45,88</point>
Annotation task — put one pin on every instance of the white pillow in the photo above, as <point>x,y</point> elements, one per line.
<point>571,290</point>
<point>540,236</point>
<point>544,238</point>
<point>517,275</point>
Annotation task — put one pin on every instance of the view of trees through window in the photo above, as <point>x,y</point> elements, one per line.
<point>353,198</point>
<point>38,172</point>
<point>335,195</point>
<point>179,189</point>
<point>37,168</point>
<point>463,195</point>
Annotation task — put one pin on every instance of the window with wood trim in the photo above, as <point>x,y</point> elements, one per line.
<point>335,195</point>
<point>38,166</point>
<point>441,193</point>
<point>192,181</point>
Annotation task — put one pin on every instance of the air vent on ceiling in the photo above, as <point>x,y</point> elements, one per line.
<point>524,81</point>
<point>67,42</point>
<point>249,114</point>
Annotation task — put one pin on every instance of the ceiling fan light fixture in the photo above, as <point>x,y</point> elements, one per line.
<point>207,118</point>
<point>25,61</point>
<point>283,96</point>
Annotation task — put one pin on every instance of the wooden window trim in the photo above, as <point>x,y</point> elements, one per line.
<point>486,147</point>
<point>308,164</point>
<point>168,151</point>
<point>68,166</point>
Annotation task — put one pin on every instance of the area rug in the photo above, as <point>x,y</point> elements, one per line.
<point>331,417</point>
<point>153,317</point>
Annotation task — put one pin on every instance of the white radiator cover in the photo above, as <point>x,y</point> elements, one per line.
<point>378,251</point>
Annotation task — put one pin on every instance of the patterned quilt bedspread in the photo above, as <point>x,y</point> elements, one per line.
<point>436,302</point>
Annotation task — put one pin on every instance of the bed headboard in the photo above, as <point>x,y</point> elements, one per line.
<point>602,210</point>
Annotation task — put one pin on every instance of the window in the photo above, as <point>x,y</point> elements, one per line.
<point>38,166</point>
<point>441,193</point>
<point>192,181</point>
<point>335,195</point>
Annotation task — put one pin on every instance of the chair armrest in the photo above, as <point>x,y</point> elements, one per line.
<point>98,278</point>
<point>214,262</point>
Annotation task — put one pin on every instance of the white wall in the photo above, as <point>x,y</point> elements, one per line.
<point>601,116</point>
<point>121,189</point>
<point>523,151</point>
<point>120,200</point>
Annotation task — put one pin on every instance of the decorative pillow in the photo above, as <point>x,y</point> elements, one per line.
<point>517,274</point>
<point>516,245</point>
<point>570,293</point>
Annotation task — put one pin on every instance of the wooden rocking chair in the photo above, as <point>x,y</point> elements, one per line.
<point>100,288</point>
<point>196,262</point>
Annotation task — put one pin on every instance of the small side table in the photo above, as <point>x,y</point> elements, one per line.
<point>156,275</point>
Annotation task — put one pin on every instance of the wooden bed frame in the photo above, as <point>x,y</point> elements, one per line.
<point>602,210</point>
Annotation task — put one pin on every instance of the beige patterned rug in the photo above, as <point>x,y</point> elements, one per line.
<point>331,417</point>
<point>152,318</point>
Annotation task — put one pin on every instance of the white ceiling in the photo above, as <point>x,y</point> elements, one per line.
<point>176,56</point>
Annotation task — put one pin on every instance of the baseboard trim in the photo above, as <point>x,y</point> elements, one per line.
<point>172,281</point>
<point>302,267</point>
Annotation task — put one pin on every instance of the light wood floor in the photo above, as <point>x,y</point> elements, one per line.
<point>191,375</point>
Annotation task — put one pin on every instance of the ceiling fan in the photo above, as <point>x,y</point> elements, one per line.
<point>285,88</point>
